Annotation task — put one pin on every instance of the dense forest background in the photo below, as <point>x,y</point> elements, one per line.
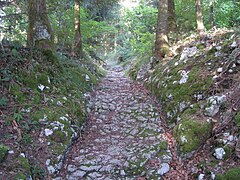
<point>124,27</point>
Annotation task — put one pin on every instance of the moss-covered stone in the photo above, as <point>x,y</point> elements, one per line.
<point>165,85</point>
<point>190,133</point>
<point>237,119</point>
<point>229,150</point>
<point>3,152</point>
<point>59,136</point>
<point>231,174</point>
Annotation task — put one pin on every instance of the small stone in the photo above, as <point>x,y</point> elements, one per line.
<point>48,161</point>
<point>234,44</point>
<point>214,77</point>
<point>51,169</point>
<point>218,48</point>
<point>59,103</point>
<point>11,152</point>
<point>219,70</point>
<point>230,71</point>
<point>183,139</point>
<point>23,155</point>
<point>164,168</point>
<point>213,176</point>
<point>41,87</point>
<point>184,78</point>
<point>230,138</point>
<point>201,176</point>
<point>71,168</point>
<point>48,132</point>
<point>87,78</point>
<point>63,118</point>
<point>219,153</point>
<point>122,173</point>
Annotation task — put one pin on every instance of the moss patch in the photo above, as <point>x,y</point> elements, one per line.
<point>237,119</point>
<point>232,174</point>
<point>190,133</point>
<point>3,152</point>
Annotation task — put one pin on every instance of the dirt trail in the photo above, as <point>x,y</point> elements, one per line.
<point>124,138</point>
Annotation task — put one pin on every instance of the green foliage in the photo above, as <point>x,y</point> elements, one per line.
<point>17,116</point>
<point>3,152</point>
<point>231,174</point>
<point>38,172</point>
<point>23,162</point>
<point>3,101</point>
<point>141,22</point>
<point>91,29</point>
<point>237,119</point>
<point>227,13</point>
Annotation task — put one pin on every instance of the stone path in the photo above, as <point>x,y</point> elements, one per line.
<point>124,138</point>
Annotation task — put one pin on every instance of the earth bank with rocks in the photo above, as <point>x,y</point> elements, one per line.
<point>199,90</point>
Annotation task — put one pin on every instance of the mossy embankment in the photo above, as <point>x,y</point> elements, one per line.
<point>43,109</point>
<point>198,86</point>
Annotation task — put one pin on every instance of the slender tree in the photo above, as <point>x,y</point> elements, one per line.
<point>200,25</point>
<point>211,14</point>
<point>161,43</point>
<point>77,46</point>
<point>39,33</point>
<point>172,26</point>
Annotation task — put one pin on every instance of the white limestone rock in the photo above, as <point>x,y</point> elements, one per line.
<point>163,169</point>
<point>219,153</point>
<point>48,132</point>
<point>214,105</point>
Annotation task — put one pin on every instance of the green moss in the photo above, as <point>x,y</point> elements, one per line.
<point>229,150</point>
<point>232,174</point>
<point>17,92</point>
<point>24,164</point>
<point>3,152</point>
<point>190,133</point>
<point>163,145</point>
<point>136,168</point>
<point>201,46</point>
<point>190,111</point>
<point>36,99</point>
<point>237,119</point>
<point>166,82</point>
<point>59,136</point>
<point>58,148</point>
<point>20,176</point>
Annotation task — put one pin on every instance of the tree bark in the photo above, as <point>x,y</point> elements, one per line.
<point>77,46</point>
<point>211,14</point>
<point>172,26</point>
<point>200,25</point>
<point>161,43</point>
<point>39,33</point>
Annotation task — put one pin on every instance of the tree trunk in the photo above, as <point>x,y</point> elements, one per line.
<point>172,26</point>
<point>161,43</point>
<point>200,25</point>
<point>39,33</point>
<point>211,14</point>
<point>77,46</point>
